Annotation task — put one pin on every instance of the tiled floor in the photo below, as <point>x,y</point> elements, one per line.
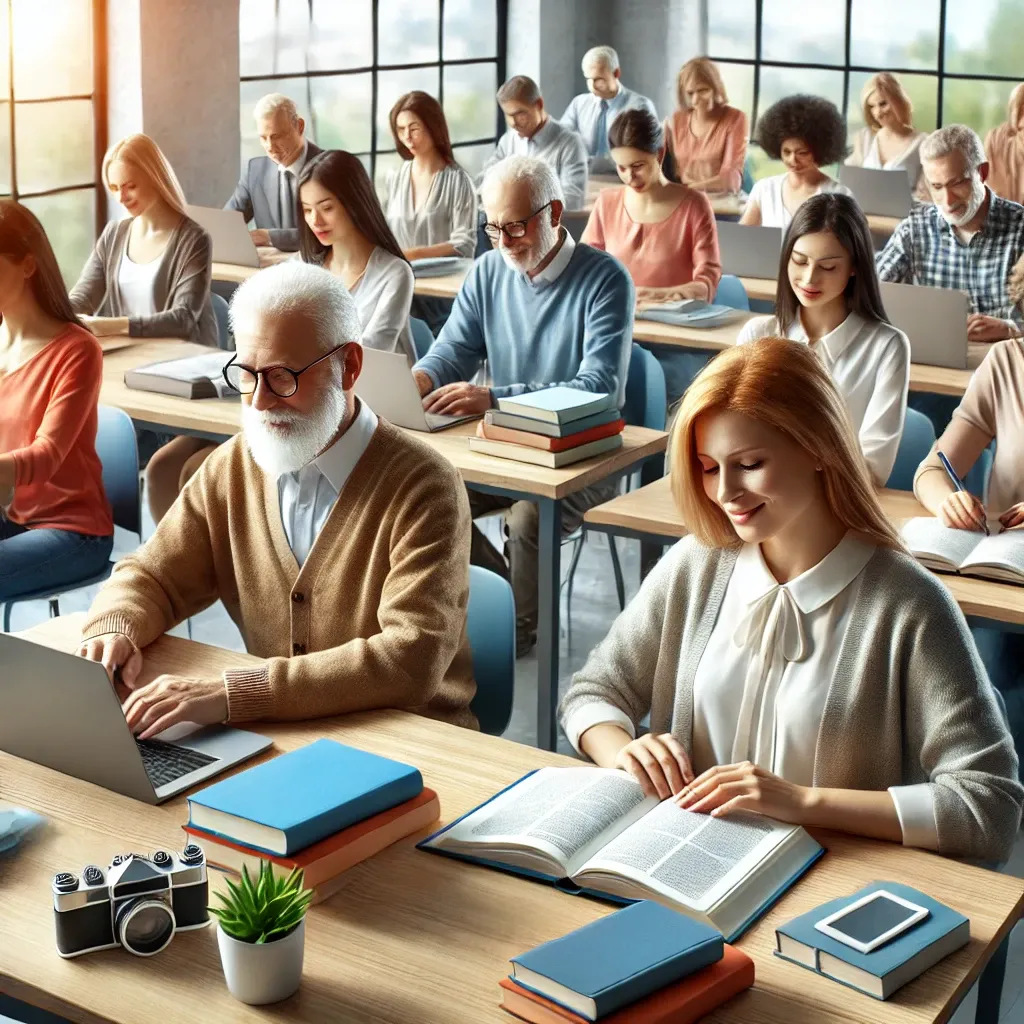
<point>594,608</point>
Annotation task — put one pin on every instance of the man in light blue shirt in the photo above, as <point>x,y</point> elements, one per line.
<point>541,310</point>
<point>590,114</point>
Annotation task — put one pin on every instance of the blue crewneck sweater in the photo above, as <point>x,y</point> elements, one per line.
<point>575,331</point>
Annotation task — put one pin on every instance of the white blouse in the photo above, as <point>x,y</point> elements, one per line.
<point>869,361</point>
<point>447,215</point>
<point>383,297</point>
<point>767,194</point>
<point>761,684</point>
<point>135,282</point>
<point>909,160</point>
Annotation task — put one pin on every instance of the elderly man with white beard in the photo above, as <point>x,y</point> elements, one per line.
<point>542,310</point>
<point>338,543</point>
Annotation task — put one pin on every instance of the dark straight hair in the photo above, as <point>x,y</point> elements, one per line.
<point>429,111</point>
<point>345,177</point>
<point>840,215</point>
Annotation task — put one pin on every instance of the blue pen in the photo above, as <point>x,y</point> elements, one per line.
<point>957,483</point>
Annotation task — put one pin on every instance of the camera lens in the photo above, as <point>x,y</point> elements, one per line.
<point>144,926</point>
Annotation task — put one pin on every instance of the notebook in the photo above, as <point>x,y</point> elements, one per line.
<point>192,377</point>
<point>439,266</point>
<point>539,457</point>
<point>999,556</point>
<point>689,313</point>
<point>592,830</point>
<point>557,405</point>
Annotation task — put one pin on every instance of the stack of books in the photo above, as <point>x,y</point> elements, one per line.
<point>645,964</point>
<point>322,808</point>
<point>554,427</point>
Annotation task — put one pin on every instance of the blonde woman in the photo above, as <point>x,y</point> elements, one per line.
<point>889,141</point>
<point>706,138</point>
<point>149,274</point>
<point>1004,150</point>
<point>794,660</point>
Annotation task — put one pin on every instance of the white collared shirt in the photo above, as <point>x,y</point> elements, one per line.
<point>308,496</point>
<point>870,363</point>
<point>293,169</point>
<point>553,271</point>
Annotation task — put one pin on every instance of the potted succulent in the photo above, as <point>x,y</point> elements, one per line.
<point>261,934</point>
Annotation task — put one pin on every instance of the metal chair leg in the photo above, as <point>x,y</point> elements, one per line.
<point>54,607</point>
<point>577,551</point>
<point>620,586</point>
<point>7,616</point>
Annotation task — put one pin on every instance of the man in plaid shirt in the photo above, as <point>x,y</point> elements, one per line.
<point>970,239</point>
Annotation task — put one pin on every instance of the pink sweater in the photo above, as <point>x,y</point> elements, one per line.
<point>722,151</point>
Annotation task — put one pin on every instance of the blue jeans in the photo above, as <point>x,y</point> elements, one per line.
<point>32,560</point>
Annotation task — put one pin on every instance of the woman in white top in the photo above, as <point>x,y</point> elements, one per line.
<point>828,297</point>
<point>806,133</point>
<point>344,230</point>
<point>794,660</point>
<point>889,141</point>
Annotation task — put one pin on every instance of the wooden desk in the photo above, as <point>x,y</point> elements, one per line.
<point>412,936</point>
<point>219,419</point>
<point>446,287</point>
<point>650,512</point>
<point>232,273</point>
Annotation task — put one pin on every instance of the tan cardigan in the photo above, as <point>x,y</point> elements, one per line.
<point>376,616</point>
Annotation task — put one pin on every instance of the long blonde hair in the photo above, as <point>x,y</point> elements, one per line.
<point>783,384</point>
<point>705,71</point>
<point>892,89</point>
<point>1013,106</point>
<point>144,154</point>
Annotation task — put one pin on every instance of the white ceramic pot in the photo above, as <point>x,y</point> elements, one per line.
<point>266,973</point>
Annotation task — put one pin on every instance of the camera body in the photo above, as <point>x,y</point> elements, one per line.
<point>138,903</point>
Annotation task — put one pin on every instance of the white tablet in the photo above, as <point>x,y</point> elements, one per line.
<point>872,921</point>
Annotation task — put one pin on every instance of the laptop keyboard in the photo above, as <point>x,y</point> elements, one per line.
<point>167,762</point>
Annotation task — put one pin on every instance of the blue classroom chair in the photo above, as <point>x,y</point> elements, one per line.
<point>491,625</point>
<point>732,293</point>
<point>220,311</point>
<point>422,339</point>
<point>915,444</point>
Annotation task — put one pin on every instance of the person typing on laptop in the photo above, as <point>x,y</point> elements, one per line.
<point>541,310</point>
<point>338,544</point>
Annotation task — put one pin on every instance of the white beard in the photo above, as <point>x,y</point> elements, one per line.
<point>309,435</point>
<point>973,205</point>
<point>547,239</point>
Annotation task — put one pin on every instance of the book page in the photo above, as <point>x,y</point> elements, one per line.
<point>930,541</point>
<point>1002,550</point>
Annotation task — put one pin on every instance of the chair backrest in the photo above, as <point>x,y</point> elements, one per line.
<point>748,177</point>
<point>732,293</point>
<point>491,625</point>
<point>220,311</point>
<point>646,401</point>
<point>422,339</point>
<point>119,455</point>
<point>915,444</point>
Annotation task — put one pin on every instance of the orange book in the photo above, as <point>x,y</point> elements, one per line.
<point>682,1003</point>
<point>324,861</point>
<point>549,444</point>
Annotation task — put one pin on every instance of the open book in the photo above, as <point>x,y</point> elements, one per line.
<point>1000,556</point>
<point>593,830</point>
<point>192,377</point>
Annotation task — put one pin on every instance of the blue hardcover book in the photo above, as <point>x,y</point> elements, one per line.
<point>495,417</point>
<point>618,959</point>
<point>292,801</point>
<point>887,968</point>
<point>556,405</point>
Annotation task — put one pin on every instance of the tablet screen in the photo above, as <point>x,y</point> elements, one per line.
<point>867,922</point>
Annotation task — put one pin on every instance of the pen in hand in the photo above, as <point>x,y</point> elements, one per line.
<point>958,484</point>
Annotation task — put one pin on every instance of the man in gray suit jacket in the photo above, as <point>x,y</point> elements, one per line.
<point>267,190</point>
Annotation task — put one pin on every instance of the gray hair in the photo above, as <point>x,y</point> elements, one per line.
<point>544,184</point>
<point>601,55</point>
<point>297,287</point>
<point>955,138</point>
<point>267,106</point>
<point>520,88</point>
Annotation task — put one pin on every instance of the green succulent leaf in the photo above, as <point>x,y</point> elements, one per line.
<point>263,908</point>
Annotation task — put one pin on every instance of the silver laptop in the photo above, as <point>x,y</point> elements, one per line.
<point>61,711</point>
<point>229,234</point>
<point>934,319</point>
<point>886,193</point>
<point>749,251</point>
<point>390,391</point>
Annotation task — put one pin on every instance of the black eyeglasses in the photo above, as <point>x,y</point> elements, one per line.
<point>514,228</point>
<point>281,380</point>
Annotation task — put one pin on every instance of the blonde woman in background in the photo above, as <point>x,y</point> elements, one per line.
<point>1004,150</point>
<point>706,138</point>
<point>889,141</point>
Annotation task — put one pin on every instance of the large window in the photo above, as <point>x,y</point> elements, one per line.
<point>52,120</point>
<point>345,63</point>
<point>958,59</point>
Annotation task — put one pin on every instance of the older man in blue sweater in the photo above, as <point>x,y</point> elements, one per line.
<point>541,310</point>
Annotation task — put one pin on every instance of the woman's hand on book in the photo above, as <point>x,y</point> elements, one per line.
<point>1013,517</point>
<point>658,763</point>
<point>746,787</point>
<point>963,511</point>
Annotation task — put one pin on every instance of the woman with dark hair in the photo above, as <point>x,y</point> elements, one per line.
<point>343,230</point>
<point>828,297</point>
<point>55,521</point>
<point>806,133</point>
<point>664,233</point>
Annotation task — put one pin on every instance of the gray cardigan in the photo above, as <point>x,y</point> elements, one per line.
<point>914,706</point>
<point>181,287</point>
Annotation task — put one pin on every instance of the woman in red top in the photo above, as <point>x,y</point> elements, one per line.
<point>55,521</point>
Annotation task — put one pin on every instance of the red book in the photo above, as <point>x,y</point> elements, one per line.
<point>682,1003</point>
<point>549,444</point>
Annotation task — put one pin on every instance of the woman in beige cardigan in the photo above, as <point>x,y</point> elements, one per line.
<point>794,660</point>
<point>1004,149</point>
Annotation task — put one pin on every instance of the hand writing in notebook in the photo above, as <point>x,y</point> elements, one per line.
<point>1013,517</point>
<point>963,511</point>
<point>746,787</point>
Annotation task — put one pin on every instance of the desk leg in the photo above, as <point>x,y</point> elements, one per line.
<point>990,986</point>
<point>549,593</point>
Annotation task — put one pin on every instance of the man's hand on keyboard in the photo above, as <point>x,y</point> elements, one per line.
<point>118,655</point>
<point>172,699</point>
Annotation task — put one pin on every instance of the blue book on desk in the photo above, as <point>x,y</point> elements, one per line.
<point>294,800</point>
<point>618,959</point>
<point>559,405</point>
<point>884,970</point>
